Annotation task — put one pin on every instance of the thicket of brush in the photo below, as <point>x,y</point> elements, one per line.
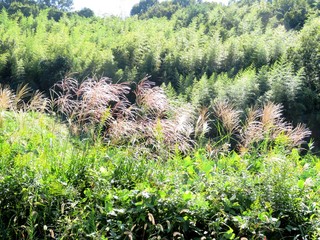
<point>100,160</point>
<point>148,118</point>
<point>128,163</point>
<point>249,52</point>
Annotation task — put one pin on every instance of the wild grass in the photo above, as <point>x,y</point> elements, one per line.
<point>16,101</point>
<point>58,186</point>
<point>147,119</point>
<point>228,115</point>
<point>100,103</point>
<point>55,184</point>
<point>267,125</point>
<point>259,127</point>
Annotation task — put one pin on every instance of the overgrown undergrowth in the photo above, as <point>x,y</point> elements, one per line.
<point>54,186</point>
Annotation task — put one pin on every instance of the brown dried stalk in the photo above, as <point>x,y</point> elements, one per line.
<point>202,126</point>
<point>152,99</point>
<point>38,102</point>
<point>229,116</point>
<point>252,131</point>
<point>298,135</point>
<point>7,98</point>
<point>268,123</point>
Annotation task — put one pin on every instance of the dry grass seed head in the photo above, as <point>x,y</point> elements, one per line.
<point>68,85</point>
<point>22,92</point>
<point>253,115</point>
<point>104,90</point>
<point>298,135</point>
<point>124,131</point>
<point>202,126</point>
<point>272,121</point>
<point>98,95</point>
<point>174,138</point>
<point>66,104</point>
<point>153,99</point>
<point>177,130</point>
<point>125,110</point>
<point>229,116</point>
<point>183,119</point>
<point>38,102</point>
<point>144,85</point>
<point>271,116</point>
<point>251,134</point>
<point>89,101</point>
<point>7,98</point>
<point>252,131</point>
<point>271,124</point>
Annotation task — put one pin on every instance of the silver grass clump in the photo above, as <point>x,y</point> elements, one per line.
<point>177,131</point>
<point>7,98</point>
<point>271,117</point>
<point>228,115</point>
<point>268,123</point>
<point>161,126</point>
<point>66,104</point>
<point>96,97</point>
<point>150,121</point>
<point>38,102</point>
<point>152,99</point>
<point>184,118</point>
<point>297,135</point>
<point>90,101</point>
<point>121,131</point>
<point>202,124</point>
<point>16,101</point>
<point>252,129</point>
<point>260,125</point>
<point>102,91</point>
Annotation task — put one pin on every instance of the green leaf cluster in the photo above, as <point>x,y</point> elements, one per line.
<point>248,52</point>
<point>53,185</point>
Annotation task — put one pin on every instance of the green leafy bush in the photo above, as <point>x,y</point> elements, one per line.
<point>55,185</point>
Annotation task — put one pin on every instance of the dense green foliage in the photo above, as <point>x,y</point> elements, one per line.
<point>26,8</point>
<point>248,52</point>
<point>122,160</point>
<point>59,4</point>
<point>54,186</point>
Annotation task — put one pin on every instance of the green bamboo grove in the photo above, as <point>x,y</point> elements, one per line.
<point>248,52</point>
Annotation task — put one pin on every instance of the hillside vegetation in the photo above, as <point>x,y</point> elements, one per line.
<point>116,170</point>
<point>187,120</point>
<point>57,185</point>
<point>249,52</point>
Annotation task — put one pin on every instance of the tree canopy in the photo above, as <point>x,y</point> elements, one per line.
<point>248,52</point>
<point>58,4</point>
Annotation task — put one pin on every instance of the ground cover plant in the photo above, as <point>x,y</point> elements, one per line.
<point>56,184</point>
